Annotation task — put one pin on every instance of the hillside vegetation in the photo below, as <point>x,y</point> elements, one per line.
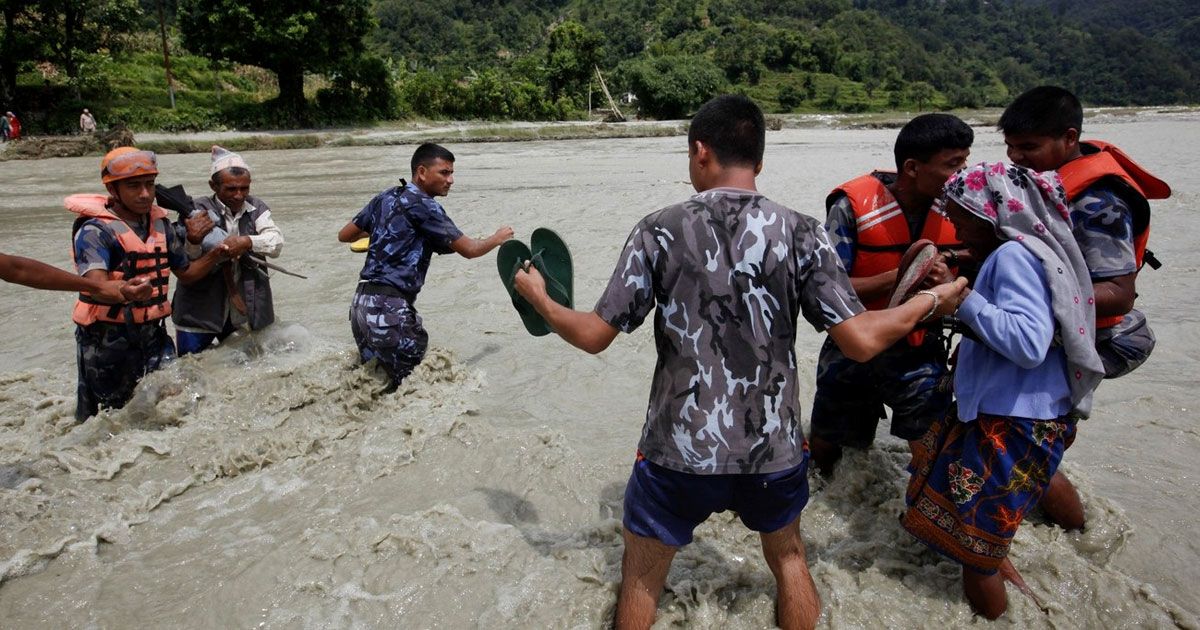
<point>354,61</point>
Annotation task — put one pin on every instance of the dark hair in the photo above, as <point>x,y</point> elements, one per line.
<point>428,153</point>
<point>1045,110</point>
<point>732,126</point>
<point>925,135</point>
<point>235,171</point>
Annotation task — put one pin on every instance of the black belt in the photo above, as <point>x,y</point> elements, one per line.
<point>375,288</point>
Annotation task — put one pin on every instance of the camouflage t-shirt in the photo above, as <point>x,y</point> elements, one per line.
<point>730,271</point>
<point>407,228</point>
<point>1102,223</point>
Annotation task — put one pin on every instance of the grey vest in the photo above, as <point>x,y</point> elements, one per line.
<point>202,304</point>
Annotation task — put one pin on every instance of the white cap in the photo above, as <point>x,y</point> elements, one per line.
<point>223,158</point>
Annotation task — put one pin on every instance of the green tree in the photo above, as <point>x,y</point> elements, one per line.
<point>287,38</point>
<point>672,86</point>
<point>789,97</point>
<point>63,32</point>
<point>571,53</point>
<point>921,93</point>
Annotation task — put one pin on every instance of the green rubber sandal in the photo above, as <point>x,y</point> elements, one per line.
<point>511,258</point>
<point>556,267</point>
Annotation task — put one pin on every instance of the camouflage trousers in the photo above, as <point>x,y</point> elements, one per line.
<point>112,358</point>
<point>388,328</point>
<point>912,381</point>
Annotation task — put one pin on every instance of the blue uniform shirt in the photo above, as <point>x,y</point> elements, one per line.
<point>407,227</point>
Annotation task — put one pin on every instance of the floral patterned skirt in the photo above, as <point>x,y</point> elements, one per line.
<point>973,482</point>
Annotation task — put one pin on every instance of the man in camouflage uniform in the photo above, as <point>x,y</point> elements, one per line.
<point>729,271</point>
<point>406,227</point>
<point>1042,132</point>
<point>910,376</point>
<point>116,347</point>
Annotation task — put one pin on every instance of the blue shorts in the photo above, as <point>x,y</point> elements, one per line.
<point>668,505</point>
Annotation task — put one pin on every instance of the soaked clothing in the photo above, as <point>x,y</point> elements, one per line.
<point>667,505</point>
<point>112,358</point>
<point>850,398</point>
<point>730,272</point>
<point>388,328</point>
<point>973,482</point>
<point>407,228</point>
<point>908,379</point>
<point>204,307</point>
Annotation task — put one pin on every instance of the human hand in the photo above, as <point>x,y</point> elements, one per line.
<point>198,226</point>
<point>938,274</point>
<point>529,283</point>
<point>137,289</point>
<point>237,245</point>
<point>950,295</point>
<point>503,234</point>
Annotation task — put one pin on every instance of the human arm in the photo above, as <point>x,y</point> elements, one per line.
<point>39,275</point>
<point>1102,223</point>
<point>865,335</point>
<point>1114,296</point>
<point>269,239</point>
<point>1011,312</point>
<point>350,233</point>
<point>584,330</point>
<point>469,247</point>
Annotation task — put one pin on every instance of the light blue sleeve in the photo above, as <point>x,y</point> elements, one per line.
<point>1010,308</point>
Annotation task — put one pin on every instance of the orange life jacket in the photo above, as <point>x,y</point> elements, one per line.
<point>1101,160</point>
<point>142,258</point>
<point>883,233</point>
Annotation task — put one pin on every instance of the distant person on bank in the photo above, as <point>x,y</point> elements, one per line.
<point>406,227</point>
<point>238,294</point>
<point>87,122</point>
<point>1108,195</point>
<point>14,127</point>
<point>124,236</point>
<point>5,129</point>
<point>725,275</point>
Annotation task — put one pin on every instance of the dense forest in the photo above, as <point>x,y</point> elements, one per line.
<point>255,63</point>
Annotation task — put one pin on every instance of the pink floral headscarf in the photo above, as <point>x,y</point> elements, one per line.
<point>1031,208</point>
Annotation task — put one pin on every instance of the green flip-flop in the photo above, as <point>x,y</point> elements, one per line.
<point>556,267</point>
<point>510,258</point>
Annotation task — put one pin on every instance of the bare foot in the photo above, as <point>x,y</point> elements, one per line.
<point>1010,574</point>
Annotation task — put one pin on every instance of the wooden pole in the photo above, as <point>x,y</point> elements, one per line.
<point>162,26</point>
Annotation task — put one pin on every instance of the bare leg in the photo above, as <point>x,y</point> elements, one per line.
<point>825,455</point>
<point>985,593</point>
<point>644,568</point>
<point>1061,503</point>
<point>797,605</point>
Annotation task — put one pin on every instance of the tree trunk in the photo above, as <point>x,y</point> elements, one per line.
<point>291,86</point>
<point>8,61</point>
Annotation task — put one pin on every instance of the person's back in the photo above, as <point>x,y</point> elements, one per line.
<point>727,273</point>
<point>726,268</point>
<point>1110,219</point>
